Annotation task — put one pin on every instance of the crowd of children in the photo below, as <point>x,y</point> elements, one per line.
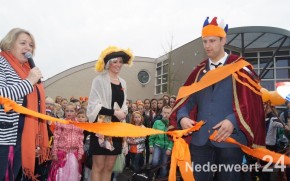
<point>70,158</point>
<point>70,146</point>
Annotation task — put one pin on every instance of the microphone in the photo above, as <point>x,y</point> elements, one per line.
<point>31,63</point>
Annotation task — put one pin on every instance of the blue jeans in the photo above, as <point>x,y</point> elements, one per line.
<point>137,161</point>
<point>208,155</point>
<point>159,157</point>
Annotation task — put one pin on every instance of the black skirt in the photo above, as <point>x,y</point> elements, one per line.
<point>96,149</point>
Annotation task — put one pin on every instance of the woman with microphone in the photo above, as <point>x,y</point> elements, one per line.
<point>22,138</point>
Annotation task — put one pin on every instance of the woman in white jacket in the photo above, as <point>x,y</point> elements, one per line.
<point>107,102</point>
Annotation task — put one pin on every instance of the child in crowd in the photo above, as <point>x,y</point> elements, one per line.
<point>67,150</point>
<point>160,104</point>
<point>82,117</point>
<point>147,122</point>
<point>160,145</point>
<point>172,101</point>
<point>49,103</point>
<point>166,99</point>
<point>76,102</point>
<point>153,105</point>
<point>136,145</point>
<point>58,112</point>
<point>58,99</point>
<point>84,105</point>
<point>63,103</point>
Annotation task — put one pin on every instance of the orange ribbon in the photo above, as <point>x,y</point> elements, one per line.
<point>260,153</point>
<point>9,105</point>
<point>180,152</point>
<point>211,77</point>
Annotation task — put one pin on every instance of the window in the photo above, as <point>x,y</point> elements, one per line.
<point>282,73</point>
<point>165,69</point>
<point>253,61</point>
<point>235,53</point>
<point>158,80</point>
<point>162,69</point>
<point>266,54</point>
<point>164,78</point>
<point>143,77</point>
<point>278,69</point>
<point>158,89</point>
<point>283,53</point>
<point>164,88</point>
<point>269,74</point>
<point>263,62</point>
<point>251,54</point>
<point>269,85</point>
<point>158,71</point>
<point>282,61</point>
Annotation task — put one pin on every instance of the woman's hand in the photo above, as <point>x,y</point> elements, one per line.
<point>54,157</point>
<point>120,114</point>
<point>34,75</point>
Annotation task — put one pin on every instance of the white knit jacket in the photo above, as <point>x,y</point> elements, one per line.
<point>101,96</point>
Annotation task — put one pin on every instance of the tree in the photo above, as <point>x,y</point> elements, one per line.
<point>171,68</point>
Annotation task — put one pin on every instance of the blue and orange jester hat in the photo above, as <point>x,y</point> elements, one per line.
<point>214,29</point>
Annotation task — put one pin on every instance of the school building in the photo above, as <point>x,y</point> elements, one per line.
<point>266,48</point>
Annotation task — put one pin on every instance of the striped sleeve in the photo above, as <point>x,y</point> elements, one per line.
<point>11,86</point>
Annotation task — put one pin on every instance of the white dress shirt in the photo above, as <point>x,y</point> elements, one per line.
<point>222,61</point>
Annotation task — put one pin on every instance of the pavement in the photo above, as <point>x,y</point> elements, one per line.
<point>127,174</point>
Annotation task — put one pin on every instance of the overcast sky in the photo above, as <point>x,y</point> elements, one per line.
<point>72,32</point>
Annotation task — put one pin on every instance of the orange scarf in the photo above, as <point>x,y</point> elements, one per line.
<point>35,130</point>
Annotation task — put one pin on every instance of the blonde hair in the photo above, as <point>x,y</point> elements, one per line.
<point>9,40</point>
<point>133,120</point>
<point>49,100</point>
<point>71,104</point>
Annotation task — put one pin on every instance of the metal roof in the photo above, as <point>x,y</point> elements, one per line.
<point>258,37</point>
<point>252,37</point>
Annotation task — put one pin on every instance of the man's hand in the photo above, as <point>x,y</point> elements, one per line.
<point>151,150</point>
<point>225,129</point>
<point>186,123</point>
